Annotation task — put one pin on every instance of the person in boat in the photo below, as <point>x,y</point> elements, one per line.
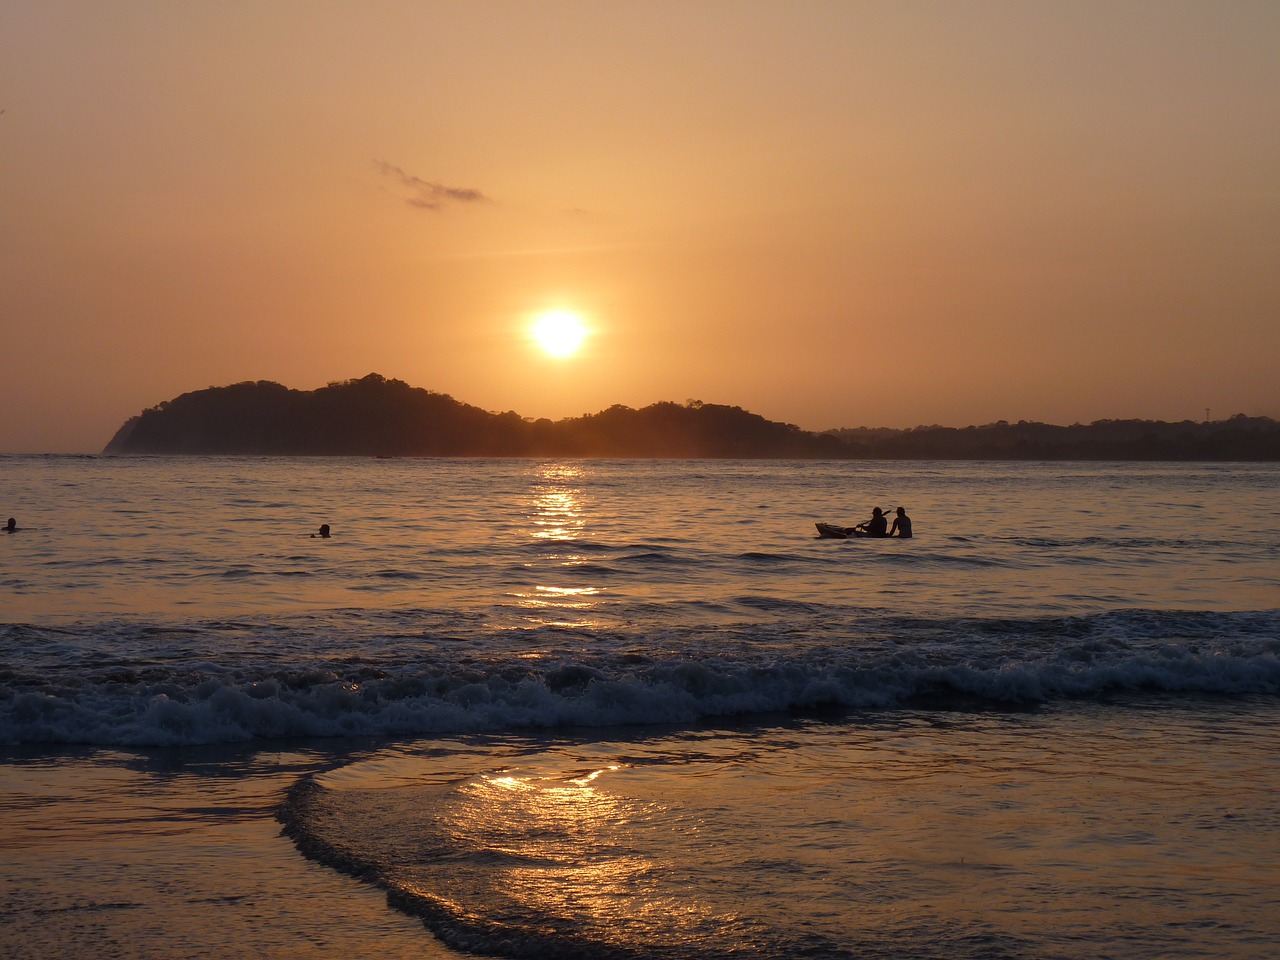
<point>901,524</point>
<point>877,526</point>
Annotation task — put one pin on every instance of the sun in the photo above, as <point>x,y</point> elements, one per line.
<point>559,332</point>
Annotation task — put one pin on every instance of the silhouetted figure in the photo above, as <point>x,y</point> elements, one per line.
<point>324,532</point>
<point>11,526</point>
<point>877,526</point>
<point>901,524</point>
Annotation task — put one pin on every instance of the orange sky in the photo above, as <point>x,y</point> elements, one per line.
<point>830,213</point>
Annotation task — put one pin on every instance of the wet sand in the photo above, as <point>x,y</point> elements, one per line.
<point>112,854</point>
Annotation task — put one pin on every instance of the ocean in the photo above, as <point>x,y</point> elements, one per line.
<point>625,709</point>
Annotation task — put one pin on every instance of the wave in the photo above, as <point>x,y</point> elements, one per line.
<point>489,875</point>
<point>166,686</point>
<point>652,557</point>
<point>760,558</point>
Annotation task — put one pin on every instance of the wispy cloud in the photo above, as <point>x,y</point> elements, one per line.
<point>426,194</point>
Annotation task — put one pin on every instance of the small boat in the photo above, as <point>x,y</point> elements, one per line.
<point>830,531</point>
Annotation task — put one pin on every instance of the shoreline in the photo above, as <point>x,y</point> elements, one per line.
<point>177,853</point>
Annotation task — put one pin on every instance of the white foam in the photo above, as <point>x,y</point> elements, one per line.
<point>996,662</point>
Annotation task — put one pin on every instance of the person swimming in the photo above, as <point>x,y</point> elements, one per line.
<point>11,526</point>
<point>323,534</point>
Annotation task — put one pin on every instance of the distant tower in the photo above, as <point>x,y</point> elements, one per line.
<point>1206,414</point>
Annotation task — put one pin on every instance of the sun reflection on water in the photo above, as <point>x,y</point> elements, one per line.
<point>568,847</point>
<point>557,507</point>
<point>558,517</point>
<point>564,598</point>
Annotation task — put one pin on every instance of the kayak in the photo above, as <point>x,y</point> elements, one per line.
<point>830,531</point>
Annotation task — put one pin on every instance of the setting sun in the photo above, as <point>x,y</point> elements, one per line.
<point>559,332</point>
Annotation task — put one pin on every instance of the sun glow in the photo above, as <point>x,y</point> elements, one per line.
<point>559,332</point>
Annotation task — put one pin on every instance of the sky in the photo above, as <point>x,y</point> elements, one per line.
<point>833,214</point>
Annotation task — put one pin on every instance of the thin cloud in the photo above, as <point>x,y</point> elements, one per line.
<point>427,195</point>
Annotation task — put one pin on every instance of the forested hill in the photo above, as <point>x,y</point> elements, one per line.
<point>375,416</point>
<point>388,418</point>
<point>1239,438</point>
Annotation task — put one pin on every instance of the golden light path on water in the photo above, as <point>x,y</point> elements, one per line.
<point>557,511</point>
<point>572,855</point>
<point>560,831</point>
<point>1003,830</point>
<point>558,518</point>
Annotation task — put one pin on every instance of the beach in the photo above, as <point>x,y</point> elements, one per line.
<point>623,709</point>
<point>152,855</point>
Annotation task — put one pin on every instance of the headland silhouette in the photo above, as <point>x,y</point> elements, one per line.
<point>379,417</point>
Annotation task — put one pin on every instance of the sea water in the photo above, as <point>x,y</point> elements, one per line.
<point>636,708</point>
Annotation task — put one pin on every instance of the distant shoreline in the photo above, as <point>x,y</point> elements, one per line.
<point>377,417</point>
